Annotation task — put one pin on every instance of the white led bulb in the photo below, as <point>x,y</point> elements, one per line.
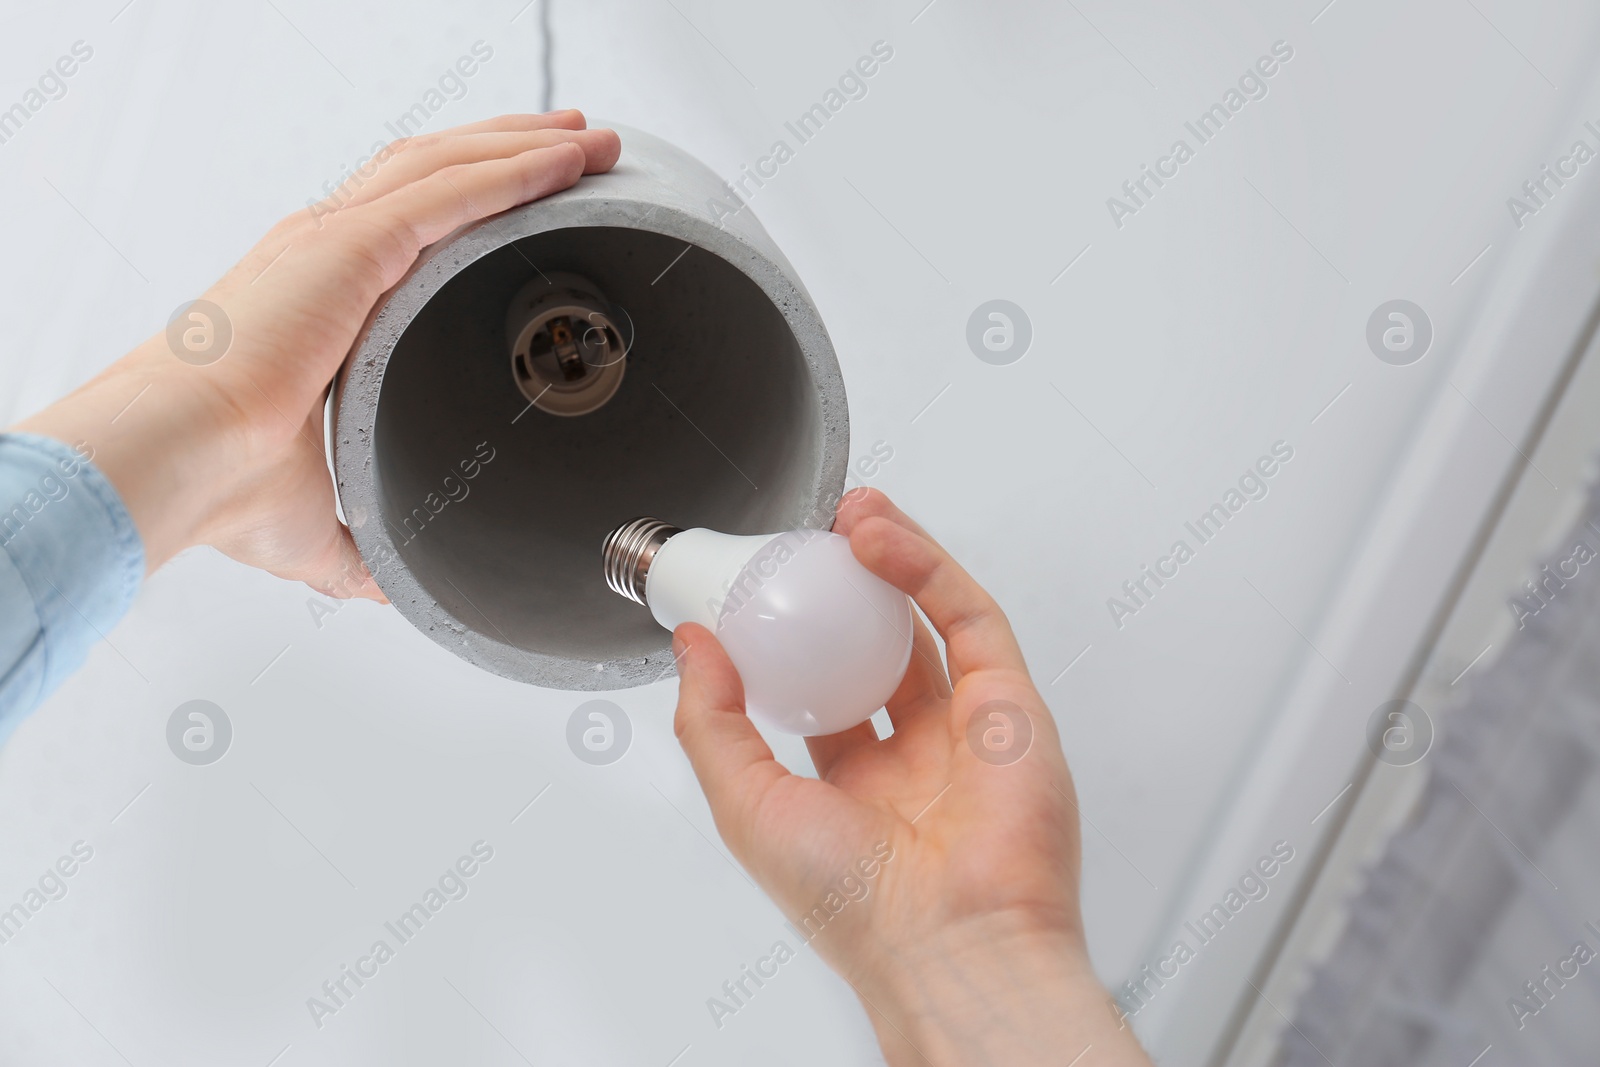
<point>820,641</point>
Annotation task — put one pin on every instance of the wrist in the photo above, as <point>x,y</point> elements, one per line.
<point>161,437</point>
<point>983,993</point>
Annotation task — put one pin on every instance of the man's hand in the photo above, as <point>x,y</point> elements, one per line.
<point>231,453</point>
<point>968,945</point>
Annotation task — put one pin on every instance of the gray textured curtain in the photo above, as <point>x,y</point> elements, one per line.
<point>1476,937</point>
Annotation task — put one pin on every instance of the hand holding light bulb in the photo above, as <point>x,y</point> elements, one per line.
<point>968,945</point>
<point>820,641</point>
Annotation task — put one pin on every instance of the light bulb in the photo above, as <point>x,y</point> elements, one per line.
<point>820,641</point>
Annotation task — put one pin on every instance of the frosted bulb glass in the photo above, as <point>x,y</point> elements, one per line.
<point>820,641</point>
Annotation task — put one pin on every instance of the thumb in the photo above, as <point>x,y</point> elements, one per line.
<point>350,578</point>
<point>728,754</point>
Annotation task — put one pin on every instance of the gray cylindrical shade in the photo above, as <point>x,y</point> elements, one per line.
<point>483,517</point>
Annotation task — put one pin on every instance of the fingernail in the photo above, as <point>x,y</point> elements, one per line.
<point>679,647</point>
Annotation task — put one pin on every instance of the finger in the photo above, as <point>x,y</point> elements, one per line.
<point>925,688</point>
<point>335,568</point>
<point>728,754</point>
<point>393,229</point>
<point>566,119</point>
<point>828,749</point>
<point>354,581</point>
<point>344,575</point>
<point>862,503</point>
<point>361,253</point>
<point>385,174</point>
<point>291,228</point>
<point>976,634</point>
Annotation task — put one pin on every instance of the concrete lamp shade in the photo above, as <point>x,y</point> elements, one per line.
<point>480,498</point>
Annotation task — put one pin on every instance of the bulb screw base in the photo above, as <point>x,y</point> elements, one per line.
<point>628,552</point>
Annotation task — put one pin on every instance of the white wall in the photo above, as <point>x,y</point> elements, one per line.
<point>1221,318</point>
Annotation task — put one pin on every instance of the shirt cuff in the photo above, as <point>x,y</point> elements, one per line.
<point>71,562</point>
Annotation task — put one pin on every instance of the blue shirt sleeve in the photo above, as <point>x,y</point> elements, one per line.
<point>71,562</point>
